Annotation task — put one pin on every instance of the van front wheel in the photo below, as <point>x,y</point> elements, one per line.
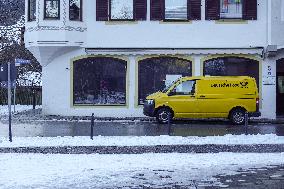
<point>237,116</point>
<point>163,115</point>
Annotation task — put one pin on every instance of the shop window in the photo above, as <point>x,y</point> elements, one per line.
<point>232,66</point>
<point>31,10</point>
<point>52,9</point>
<point>121,9</point>
<point>156,74</point>
<point>75,10</point>
<point>231,9</point>
<point>99,81</point>
<point>176,9</point>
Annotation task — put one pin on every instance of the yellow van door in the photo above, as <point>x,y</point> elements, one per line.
<point>210,102</point>
<point>182,99</point>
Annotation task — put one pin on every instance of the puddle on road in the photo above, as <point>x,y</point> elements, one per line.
<point>65,128</point>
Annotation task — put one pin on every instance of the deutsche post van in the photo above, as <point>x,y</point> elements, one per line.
<point>205,97</point>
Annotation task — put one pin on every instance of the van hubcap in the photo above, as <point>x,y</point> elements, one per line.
<point>239,117</point>
<point>163,116</point>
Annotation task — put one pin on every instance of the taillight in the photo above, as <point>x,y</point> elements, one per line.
<point>257,104</point>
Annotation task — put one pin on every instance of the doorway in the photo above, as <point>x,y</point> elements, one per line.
<point>280,88</point>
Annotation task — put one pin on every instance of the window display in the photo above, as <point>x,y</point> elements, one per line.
<point>99,81</point>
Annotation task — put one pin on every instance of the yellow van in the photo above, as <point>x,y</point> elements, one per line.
<point>205,97</point>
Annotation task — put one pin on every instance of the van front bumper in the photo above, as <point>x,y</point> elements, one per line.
<point>149,109</point>
<point>254,114</point>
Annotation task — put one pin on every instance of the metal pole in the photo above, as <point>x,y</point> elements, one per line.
<point>92,126</point>
<point>169,124</point>
<point>246,123</point>
<point>15,97</point>
<point>9,101</point>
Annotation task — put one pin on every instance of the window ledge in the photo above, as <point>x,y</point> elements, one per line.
<point>100,106</point>
<point>176,22</point>
<point>121,22</point>
<point>231,21</point>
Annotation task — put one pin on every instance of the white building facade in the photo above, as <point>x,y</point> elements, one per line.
<point>105,56</point>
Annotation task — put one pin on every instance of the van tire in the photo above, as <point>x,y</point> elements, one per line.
<point>237,116</point>
<point>163,115</point>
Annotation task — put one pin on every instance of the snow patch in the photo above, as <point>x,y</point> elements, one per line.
<point>141,140</point>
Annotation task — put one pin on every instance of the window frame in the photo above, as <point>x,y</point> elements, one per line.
<point>175,20</point>
<point>113,19</point>
<point>81,12</point>
<point>51,18</point>
<point>29,11</point>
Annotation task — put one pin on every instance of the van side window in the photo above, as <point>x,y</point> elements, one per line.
<point>185,88</point>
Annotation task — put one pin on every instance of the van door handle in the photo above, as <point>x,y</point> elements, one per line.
<point>202,96</point>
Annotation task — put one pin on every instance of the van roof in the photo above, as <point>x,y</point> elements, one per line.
<point>219,77</point>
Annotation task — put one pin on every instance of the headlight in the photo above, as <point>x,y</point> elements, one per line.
<point>150,101</point>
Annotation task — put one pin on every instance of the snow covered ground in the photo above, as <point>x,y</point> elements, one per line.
<point>125,171</point>
<point>18,108</point>
<point>140,141</point>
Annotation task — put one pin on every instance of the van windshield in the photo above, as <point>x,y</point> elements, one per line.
<point>169,86</point>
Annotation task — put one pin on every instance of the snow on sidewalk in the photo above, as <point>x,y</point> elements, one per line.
<point>124,171</point>
<point>141,140</point>
<point>18,108</point>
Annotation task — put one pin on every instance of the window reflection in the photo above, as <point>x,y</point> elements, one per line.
<point>32,10</point>
<point>176,9</point>
<point>122,9</point>
<point>155,74</point>
<point>231,9</point>
<point>51,8</point>
<point>99,81</point>
<point>75,10</point>
<point>232,66</point>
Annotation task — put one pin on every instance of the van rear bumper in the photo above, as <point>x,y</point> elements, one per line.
<point>254,114</point>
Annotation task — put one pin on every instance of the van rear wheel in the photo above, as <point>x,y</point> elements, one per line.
<point>163,115</point>
<point>237,116</point>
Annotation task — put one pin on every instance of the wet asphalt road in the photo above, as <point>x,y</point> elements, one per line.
<point>135,128</point>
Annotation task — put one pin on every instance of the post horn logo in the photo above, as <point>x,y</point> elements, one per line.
<point>244,84</point>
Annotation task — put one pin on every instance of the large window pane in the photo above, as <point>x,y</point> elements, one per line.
<point>121,9</point>
<point>75,10</point>
<point>155,74</point>
<point>231,9</point>
<point>176,9</point>
<point>32,10</point>
<point>232,66</point>
<point>99,81</point>
<point>52,9</point>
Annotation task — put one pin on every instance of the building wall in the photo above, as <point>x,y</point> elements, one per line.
<point>277,23</point>
<point>146,34</point>
<point>195,34</point>
<point>56,42</point>
<point>57,93</point>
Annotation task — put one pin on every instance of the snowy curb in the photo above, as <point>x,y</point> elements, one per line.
<point>269,143</point>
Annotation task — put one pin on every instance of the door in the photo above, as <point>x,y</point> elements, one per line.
<point>182,99</point>
<point>280,94</point>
